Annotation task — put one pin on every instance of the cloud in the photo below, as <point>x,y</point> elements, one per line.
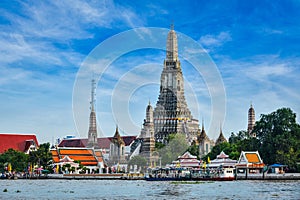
<point>211,41</point>
<point>263,72</point>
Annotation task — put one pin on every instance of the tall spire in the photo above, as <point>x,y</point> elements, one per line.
<point>221,137</point>
<point>92,134</point>
<point>93,95</point>
<point>251,120</point>
<point>172,46</point>
<point>171,114</point>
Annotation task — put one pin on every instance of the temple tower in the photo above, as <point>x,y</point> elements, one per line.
<point>171,114</point>
<point>147,136</point>
<point>221,138</point>
<point>92,134</point>
<point>205,144</point>
<point>117,149</point>
<point>251,121</point>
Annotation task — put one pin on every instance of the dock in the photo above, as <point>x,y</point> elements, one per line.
<point>97,176</point>
<point>260,176</point>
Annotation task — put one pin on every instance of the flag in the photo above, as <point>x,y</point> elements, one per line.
<point>31,167</point>
<point>204,165</point>
<point>9,168</point>
<point>57,168</point>
<point>208,159</point>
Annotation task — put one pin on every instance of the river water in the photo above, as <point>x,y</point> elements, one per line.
<point>121,189</point>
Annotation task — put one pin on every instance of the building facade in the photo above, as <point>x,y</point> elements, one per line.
<point>171,114</point>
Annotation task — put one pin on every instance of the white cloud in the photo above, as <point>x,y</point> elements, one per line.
<point>215,40</point>
<point>265,70</point>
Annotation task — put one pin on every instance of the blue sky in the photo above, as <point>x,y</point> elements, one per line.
<point>254,44</point>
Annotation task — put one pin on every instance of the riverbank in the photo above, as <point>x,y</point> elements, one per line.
<point>287,176</point>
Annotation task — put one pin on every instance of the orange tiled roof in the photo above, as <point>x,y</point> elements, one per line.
<point>54,152</point>
<point>89,163</point>
<point>75,152</point>
<point>98,153</point>
<point>55,156</point>
<point>85,156</point>
<point>252,157</point>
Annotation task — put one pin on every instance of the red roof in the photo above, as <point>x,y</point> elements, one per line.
<point>20,142</point>
<point>102,142</point>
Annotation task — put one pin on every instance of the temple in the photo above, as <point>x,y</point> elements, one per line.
<point>171,114</point>
<point>117,150</point>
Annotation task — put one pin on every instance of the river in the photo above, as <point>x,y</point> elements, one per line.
<point>120,189</point>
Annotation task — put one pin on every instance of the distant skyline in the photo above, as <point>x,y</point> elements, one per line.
<point>254,44</point>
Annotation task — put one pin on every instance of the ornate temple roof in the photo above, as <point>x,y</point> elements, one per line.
<point>117,139</point>
<point>203,135</point>
<point>86,156</point>
<point>221,138</point>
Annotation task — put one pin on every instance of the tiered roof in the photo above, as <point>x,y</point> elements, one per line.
<point>224,160</point>
<point>117,139</point>
<point>221,138</point>
<point>88,157</point>
<point>187,160</point>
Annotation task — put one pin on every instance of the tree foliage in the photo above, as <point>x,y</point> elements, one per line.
<point>17,159</point>
<point>279,135</point>
<point>278,140</point>
<point>176,146</point>
<point>41,156</point>
<point>139,161</point>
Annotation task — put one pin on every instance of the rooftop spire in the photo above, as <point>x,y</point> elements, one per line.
<point>93,95</point>
<point>172,46</point>
<point>92,134</point>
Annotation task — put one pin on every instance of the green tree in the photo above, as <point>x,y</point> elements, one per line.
<point>41,156</point>
<point>176,146</point>
<point>194,150</point>
<point>216,150</point>
<point>17,159</point>
<point>279,135</point>
<point>140,161</point>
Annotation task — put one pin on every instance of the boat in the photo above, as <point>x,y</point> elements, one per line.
<point>219,174</point>
<point>168,174</point>
<point>194,174</point>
